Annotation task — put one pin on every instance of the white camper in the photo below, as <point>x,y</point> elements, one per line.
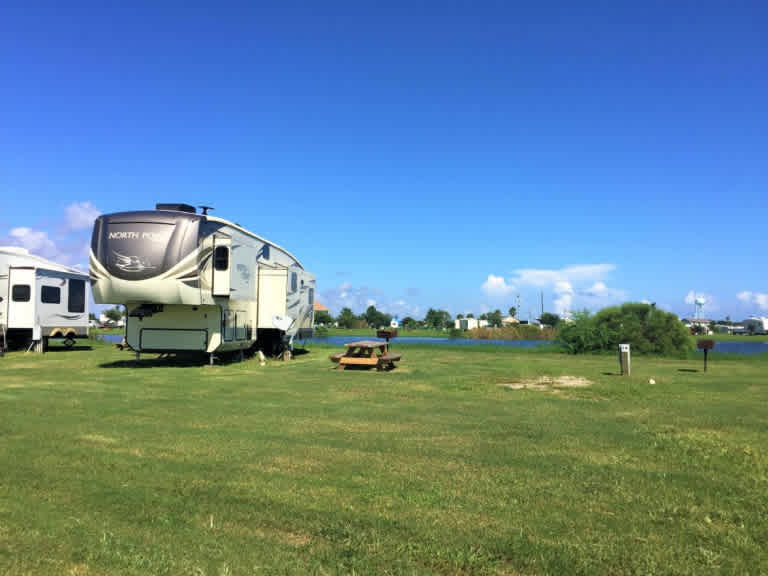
<point>194,282</point>
<point>40,299</point>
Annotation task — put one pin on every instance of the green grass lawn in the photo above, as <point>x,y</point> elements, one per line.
<point>434,468</point>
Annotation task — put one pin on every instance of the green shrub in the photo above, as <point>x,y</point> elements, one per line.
<point>514,332</point>
<point>646,328</point>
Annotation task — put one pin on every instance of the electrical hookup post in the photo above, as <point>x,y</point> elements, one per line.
<point>624,359</point>
<point>705,345</point>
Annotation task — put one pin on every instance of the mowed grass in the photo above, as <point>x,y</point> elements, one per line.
<point>434,468</point>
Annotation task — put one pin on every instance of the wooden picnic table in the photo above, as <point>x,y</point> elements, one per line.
<point>368,353</point>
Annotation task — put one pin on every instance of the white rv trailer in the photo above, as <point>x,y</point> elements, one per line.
<point>40,299</point>
<point>194,282</point>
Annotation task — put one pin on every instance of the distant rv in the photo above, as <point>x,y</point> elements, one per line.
<point>40,299</point>
<point>194,282</point>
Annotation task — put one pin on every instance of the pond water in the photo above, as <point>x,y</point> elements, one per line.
<point>730,347</point>
<point>738,347</point>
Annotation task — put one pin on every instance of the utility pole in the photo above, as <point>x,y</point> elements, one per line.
<point>542,303</point>
<point>517,308</point>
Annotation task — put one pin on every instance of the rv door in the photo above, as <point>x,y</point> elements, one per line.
<point>21,298</point>
<point>221,265</point>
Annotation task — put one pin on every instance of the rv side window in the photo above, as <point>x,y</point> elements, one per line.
<point>293,282</point>
<point>50,295</point>
<point>311,296</point>
<point>265,252</point>
<point>76,301</point>
<point>20,293</point>
<point>221,258</point>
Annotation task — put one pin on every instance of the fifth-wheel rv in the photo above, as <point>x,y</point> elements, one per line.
<point>194,282</point>
<point>40,299</point>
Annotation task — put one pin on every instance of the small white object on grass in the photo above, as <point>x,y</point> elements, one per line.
<point>651,381</point>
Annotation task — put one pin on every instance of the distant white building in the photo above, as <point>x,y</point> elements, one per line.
<point>509,321</point>
<point>469,323</point>
<point>756,325</point>
<point>701,323</point>
<point>730,329</point>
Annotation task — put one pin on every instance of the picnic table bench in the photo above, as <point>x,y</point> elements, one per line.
<point>370,353</point>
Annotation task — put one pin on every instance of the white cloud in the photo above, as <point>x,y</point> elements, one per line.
<point>65,241</point>
<point>496,287</point>
<point>80,215</point>
<point>744,296</point>
<point>759,299</point>
<point>597,289</point>
<point>359,298</point>
<point>36,241</point>
<point>576,274</point>
<point>572,286</point>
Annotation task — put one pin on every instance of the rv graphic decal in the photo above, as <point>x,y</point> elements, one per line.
<point>245,274</point>
<point>131,263</point>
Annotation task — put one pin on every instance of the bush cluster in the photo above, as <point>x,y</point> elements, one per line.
<point>646,328</point>
<point>514,332</point>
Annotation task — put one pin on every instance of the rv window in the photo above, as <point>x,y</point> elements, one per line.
<point>76,296</point>
<point>221,258</point>
<point>311,296</point>
<point>20,293</point>
<point>50,295</point>
<point>265,252</point>
<point>293,282</point>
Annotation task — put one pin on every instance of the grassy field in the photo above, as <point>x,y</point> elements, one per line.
<point>442,466</point>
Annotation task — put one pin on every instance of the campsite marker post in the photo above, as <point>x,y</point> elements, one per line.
<point>624,359</point>
<point>387,334</point>
<point>705,345</point>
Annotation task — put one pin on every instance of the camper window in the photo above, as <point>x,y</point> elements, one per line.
<point>221,258</point>
<point>50,295</point>
<point>76,301</point>
<point>20,293</point>
<point>265,252</point>
<point>311,296</point>
<point>293,282</point>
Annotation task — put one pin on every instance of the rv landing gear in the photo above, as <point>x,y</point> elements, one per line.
<point>69,342</point>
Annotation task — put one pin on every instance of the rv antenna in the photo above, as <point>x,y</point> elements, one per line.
<point>205,209</point>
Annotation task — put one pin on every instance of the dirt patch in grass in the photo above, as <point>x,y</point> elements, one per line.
<point>99,439</point>
<point>548,383</point>
<point>28,384</point>
<point>79,570</point>
<point>294,539</point>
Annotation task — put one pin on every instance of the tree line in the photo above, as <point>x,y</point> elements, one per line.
<point>435,318</point>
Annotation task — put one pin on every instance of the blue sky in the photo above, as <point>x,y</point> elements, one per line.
<point>415,154</point>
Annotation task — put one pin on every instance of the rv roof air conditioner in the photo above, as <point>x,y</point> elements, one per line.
<point>176,208</point>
